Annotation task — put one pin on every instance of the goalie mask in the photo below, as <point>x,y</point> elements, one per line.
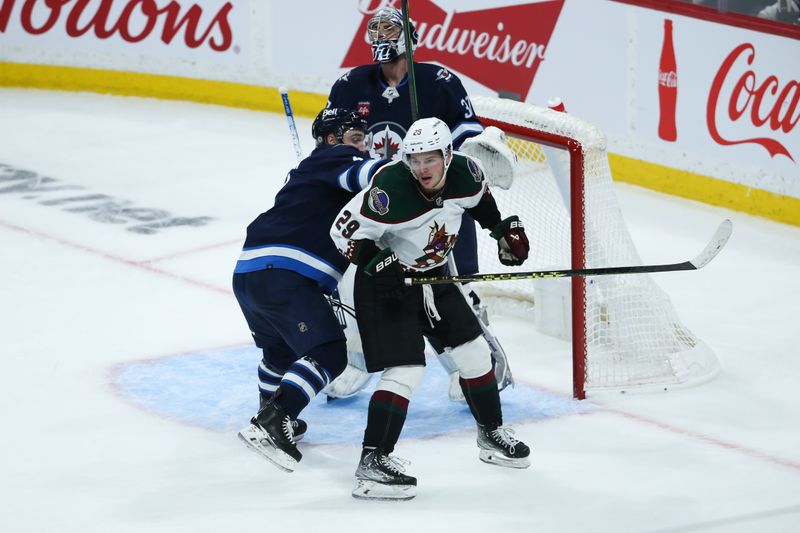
<point>385,32</point>
<point>428,135</point>
<point>337,121</point>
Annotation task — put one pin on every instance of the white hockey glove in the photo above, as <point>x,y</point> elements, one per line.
<point>492,149</point>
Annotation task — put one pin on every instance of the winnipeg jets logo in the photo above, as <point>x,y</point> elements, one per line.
<point>443,74</point>
<point>387,139</point>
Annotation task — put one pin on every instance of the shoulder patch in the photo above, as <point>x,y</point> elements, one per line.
<point>378,201</point>
<point>443,74</point>
<point>475,170</point>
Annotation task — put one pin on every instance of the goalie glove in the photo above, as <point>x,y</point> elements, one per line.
<point>498,159</point>
<point>387,274</point>
<point>512,243</point>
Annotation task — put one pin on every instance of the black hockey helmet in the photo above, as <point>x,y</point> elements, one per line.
<point>384,49</point>
<point>337,121</point>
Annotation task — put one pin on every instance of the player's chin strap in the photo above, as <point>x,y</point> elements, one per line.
<point>501,368</point>
<point>498,159</point>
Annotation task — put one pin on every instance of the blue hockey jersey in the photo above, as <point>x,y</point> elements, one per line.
<point>294,233</point>
<point>388,109</point>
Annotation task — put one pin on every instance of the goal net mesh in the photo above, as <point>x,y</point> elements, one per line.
<point>634,339</point>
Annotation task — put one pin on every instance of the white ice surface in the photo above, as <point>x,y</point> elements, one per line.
<point>81,298</point>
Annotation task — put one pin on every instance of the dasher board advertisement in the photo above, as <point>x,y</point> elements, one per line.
<point>691,94</point>
<point>733,96</point>
<point>213,31</point>
<point>695,95</point>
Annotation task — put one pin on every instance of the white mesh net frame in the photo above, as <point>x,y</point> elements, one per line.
<point>634,340</point>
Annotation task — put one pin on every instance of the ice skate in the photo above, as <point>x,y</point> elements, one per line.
<point>299,426</point>
<point>380,477</point>
<point>271,435</point>
<point>498,446</point>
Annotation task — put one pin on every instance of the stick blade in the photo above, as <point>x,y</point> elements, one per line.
<point>717,243</point>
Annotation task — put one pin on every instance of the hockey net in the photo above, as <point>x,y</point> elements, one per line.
<point>624,330</point>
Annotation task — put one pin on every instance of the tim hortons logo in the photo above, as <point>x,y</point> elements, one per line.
<point>501,47</point>
<point>768,105</point>
<point>134,22</point>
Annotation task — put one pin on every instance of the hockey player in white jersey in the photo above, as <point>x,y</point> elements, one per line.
<point>406,223</point>
<point>382,94</point>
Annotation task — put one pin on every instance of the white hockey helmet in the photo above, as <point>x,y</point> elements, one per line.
<point>427,135</point>
<point>385,50</point>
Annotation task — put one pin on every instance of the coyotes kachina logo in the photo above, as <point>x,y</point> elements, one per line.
<point>500,47</point>
<point>439,245</point>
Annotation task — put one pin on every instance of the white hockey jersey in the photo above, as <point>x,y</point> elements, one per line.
<point>395,214</point>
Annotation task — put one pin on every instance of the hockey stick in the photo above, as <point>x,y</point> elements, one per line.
<point>711,250</point>
<point>412,80</point>
<point>287,107</point>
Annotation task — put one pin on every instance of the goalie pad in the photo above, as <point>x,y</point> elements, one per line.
<point>454,391</point>
<point>498,159</point>
<point>353,379</point>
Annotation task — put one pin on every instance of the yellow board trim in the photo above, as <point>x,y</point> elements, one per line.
<point>650,175</point>
<point>708,190</point>
<point>157,86</point>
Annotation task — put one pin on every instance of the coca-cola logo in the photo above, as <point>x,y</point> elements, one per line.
<point>134,22</point>
<point>501,48</point>
<point>668,79</point>
<point>765,104</point>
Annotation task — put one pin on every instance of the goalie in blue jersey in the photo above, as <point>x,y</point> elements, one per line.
<point>287,266</point>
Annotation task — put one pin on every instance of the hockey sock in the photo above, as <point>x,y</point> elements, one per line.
<point>385,419</point>
<point>300,384</point>
<point>268,381</point>
<point>483,399</point>
<point>307,376</point>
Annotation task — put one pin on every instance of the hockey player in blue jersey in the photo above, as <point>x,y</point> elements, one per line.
<point>287,266</point>
<point>380,92</point>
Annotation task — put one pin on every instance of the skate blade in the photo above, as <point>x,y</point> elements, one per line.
<point>372,490</point>
<point>495,458</point>
<point>275,456</point>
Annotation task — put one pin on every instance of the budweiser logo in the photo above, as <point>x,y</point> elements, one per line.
<point>134,21</point>
<point>501,48</point>
<point>738,94</point>
<point>668,79</point>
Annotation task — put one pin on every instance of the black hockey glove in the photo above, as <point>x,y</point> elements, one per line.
<point>512,243</point>
<point>385,269</point>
